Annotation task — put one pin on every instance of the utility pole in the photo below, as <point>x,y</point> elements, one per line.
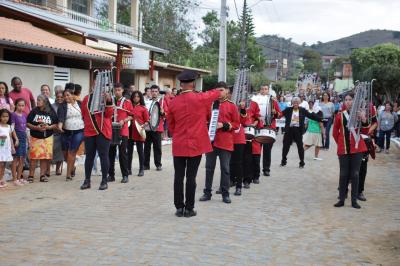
<point>222,43</point>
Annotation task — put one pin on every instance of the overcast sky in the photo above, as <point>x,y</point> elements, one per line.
<point>314,20</point>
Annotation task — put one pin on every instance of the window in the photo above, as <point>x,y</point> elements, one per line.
<point>81,6</point>
<point>35,2</point>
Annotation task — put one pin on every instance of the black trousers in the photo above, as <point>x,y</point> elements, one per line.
<point>140,152</point>
<point>293,134</point>
<point>349,170</point>
<point>123,157</point>
<point>224,160</point>
<point>256,166</point>
<point>185,166</point>
<point>152,137</point>
<point>237,164</point>
<point>248,163</point>
<point>267,147</point>
<point>363,172</point>
<point>102,145</point>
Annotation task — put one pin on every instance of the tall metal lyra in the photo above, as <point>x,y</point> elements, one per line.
<point>361,105</point>
<point>242,87</point>
<point>103,84</point>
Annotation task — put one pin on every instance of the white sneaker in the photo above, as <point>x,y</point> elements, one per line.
<point>318,159</point>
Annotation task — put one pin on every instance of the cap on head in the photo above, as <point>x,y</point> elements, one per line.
<point>187,76</point>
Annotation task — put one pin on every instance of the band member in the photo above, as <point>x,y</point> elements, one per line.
<point>228,121</point>
<point>263,100</point>
<point>188,127</point>
<point>252,116</point>
<point>238,155</point>
<point>98,133</point>
<point>294,128</point>
<point>154,137</point>
<point>350,153</point>
<point>140,116</point>
<point>122,114</point>
<point>367,132</point>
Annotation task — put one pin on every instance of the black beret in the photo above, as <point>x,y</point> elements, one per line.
<point>187,76</point>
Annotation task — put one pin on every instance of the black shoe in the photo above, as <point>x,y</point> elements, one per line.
<point>256,181</point>
<point>146,168</point>
<point>266,173</point>
<point>226,199</point>
<point>125,179</point>
<point>301,165</point>
<point>355,205</point>
<point>283,164</point>
<point>189,213</point>
<point>339,204</point>
<point>179,212</point>
<point>159,168</point>
<point>68,178</point>
<point>129,172</point>
<point>110,178</point>
<point>85,185</point>
<point>103,186</point>
<point>205,197</point>
<point>246,185</point>
<point>141,173</point>
<point>361,197</point>
<point>238,192</point>
<point>219,191</point>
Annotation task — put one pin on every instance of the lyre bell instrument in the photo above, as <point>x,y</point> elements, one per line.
<point>361,103</point>
<point>242,87</point>
<point>269,112</point>
<point>212,129</point>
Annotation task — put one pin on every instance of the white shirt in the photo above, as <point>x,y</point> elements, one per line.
<point>263,102</point>
<point>305,105</point>
<point>295,121</point>
<point>74,120</point>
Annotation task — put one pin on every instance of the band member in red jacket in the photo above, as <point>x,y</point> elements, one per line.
<point>269,119</point>
<point>349,151</point>
<point>187,121</point>
<point>367,132</point>
<point>154,137</point>
<point>98,133</point>
<point>122,114</point>
<point>140,116</point>
<point>228,122</point>
<point>252,114</point>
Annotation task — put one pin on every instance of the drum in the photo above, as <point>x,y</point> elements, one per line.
<point>154,112</point>
<point>265,135</point>
<point>116,133</point>
<point>249,132</point>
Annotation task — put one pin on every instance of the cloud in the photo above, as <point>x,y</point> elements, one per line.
<point>315,20</point>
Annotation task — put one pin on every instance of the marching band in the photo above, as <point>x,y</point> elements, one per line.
<point>236,131</point>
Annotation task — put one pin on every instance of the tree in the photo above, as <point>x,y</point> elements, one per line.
<point>381,62</point>
<point>312,61</point>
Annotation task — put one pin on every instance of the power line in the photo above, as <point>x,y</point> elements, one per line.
<point>237,13</point>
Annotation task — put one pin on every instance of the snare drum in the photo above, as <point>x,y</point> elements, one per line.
<point>116,133</point>
<point>265,135</point>
<point>249,132</point>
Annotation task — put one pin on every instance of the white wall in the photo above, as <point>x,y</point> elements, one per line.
<point>32,76</point>
<point>81,77</point>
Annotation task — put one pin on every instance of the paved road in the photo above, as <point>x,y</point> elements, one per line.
<point>287,219</point>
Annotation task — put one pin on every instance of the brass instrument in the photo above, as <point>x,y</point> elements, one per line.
<point>269,113</point>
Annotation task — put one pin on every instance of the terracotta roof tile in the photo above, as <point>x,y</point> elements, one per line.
<point>24,34</point>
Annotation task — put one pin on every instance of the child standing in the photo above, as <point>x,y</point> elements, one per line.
<point>6,148</point>
<point>18,120</point>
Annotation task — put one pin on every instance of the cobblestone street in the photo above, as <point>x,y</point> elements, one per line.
<point>287,219</point>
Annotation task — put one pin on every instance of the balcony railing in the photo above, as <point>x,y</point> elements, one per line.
<point>100,24</point>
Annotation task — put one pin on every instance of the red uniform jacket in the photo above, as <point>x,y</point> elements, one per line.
<point>343,137</point>
<point>228,113</point>
<point>141,115</point>
<point>238,134</point>
<point>122,113</point>
<point>256,147</point>
<point>187,123</point>
<point>163,117</point>
<point>90,129</point>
